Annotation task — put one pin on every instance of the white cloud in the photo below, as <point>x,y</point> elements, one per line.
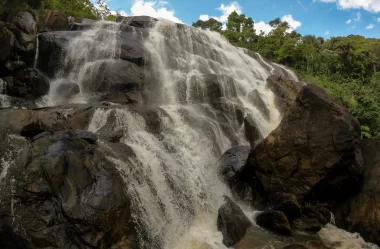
<point>153,9</point>
<point>262,26</point>
<point>327,32</point>
<point>371,26</point>
<point>368,5</point>
<point>358,17</point>
<point>349,21</point>
<point>378,19</point>
<point>226,11</point>
<point>293,24</point>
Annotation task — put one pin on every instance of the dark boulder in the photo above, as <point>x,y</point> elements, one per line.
<point>11,240</point>
<point>284,89</point>
<point>115,136</point>
<point>139,21</point>
<point>51,50</point>
<point>231,166</point>
<point>295,247</point>
<point>132,46</point>
<point>313,153</point>
<point>53,20</point>
<point>27,83</point>
<point>68,195</point>
<point>232,222</point>
<point>113,76</point>
<point>361,213</point>
<point>86,135</point>
<point>252,131</point>
<point>286,203</point>
<point>274,221</point>
<point>33,129</point>
<point>3,87</point>
<point>24,28</point>
<point>311,221</point>
<point>15,65</point>
<point>67,89</point>
<point>6,45</point>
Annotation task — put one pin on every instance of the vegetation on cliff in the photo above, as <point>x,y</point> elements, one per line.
<point>348,67</point>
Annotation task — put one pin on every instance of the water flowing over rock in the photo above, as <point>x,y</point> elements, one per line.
<point>122,152</point>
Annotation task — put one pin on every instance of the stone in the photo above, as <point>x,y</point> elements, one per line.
<point>311,221</point>
<point>86,135</point>
<point>284,89</point>
<point>361,213</point>
<point>33,129</point>
<point>252,131</point>
<point>139,21</point>
<point>258,102</point>
<point>286,203</point>
<point>67,89</point>
<point>295,247</point>
<point>53,20</point>
<point>113,76</point>
<point>69,195</point>
<point>15,65</point>
<point>27,83</point>
<point>24,28</point>
<point>232,222</point>
<point>6,45</point>
<point>274,221</point>
<point>313,153</point>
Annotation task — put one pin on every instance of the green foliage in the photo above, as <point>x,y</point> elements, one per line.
<point>347,67</point>
<point>210,24</point>
<point>75,8</point>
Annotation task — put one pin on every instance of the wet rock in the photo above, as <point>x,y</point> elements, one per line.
<point>311,221</point>
<point>274,221</point>
<point>284,89</point>
<point>51,51</point>
<point>113,76</point>
<point>53,20</point>
<point>286,203</point>
<point>231,166</point>
<point>3,87</point>
<point>10,240</point>
<point>6,45</point>
<point>132,47</point>
<point>15,65</point>
<point>232,222</point>
<point>86,135</point>
<point>67,89</point>
<point>115,136</point>
<point>27,83</point>
<point>69,195</point>
<point>257,101</point>
<point>139,21</point>
<point>24,28</point>
<point>33,129</point>
<point>313,153</point>
<point>361,212</point>
<point>252,131</point>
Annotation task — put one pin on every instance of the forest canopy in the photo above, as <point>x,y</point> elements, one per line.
<point>348,67</point>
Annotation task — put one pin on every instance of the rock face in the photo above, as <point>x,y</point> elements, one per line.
<point>232,222</point>
<point>27,83</point>
<point>285,90</point>
<point>274,221</point>
<point>113,76</point>
<point>362,212</point>
<point>67,194</point>
<point>52,20</point>
<point>311,221</point>
<point>24,28</point>
<point>313,153</point>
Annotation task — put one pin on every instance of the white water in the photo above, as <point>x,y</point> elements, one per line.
<point>94,45</point>
<point>171,178</point>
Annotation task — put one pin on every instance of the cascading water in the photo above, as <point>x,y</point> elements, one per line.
<point>198,90</point>
<point>84,52</point>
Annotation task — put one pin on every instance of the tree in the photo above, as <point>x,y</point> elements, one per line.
<point>211,24</point>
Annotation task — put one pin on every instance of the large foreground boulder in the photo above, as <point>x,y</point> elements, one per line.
<point>284,89</point>
<point>362,212</point>
<point>274,221</point>
<point>66,194</point>
<point>53,20</point>
<point>232,222</point>
<point>313,153</point>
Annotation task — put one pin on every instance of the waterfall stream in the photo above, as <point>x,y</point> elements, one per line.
<point>201,89</point>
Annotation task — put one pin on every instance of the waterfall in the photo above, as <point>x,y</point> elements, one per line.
<point>82,53</point>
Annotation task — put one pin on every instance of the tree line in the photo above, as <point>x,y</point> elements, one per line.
<point>348,67</point>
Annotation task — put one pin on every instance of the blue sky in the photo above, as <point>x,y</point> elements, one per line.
<point>324,18</point>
